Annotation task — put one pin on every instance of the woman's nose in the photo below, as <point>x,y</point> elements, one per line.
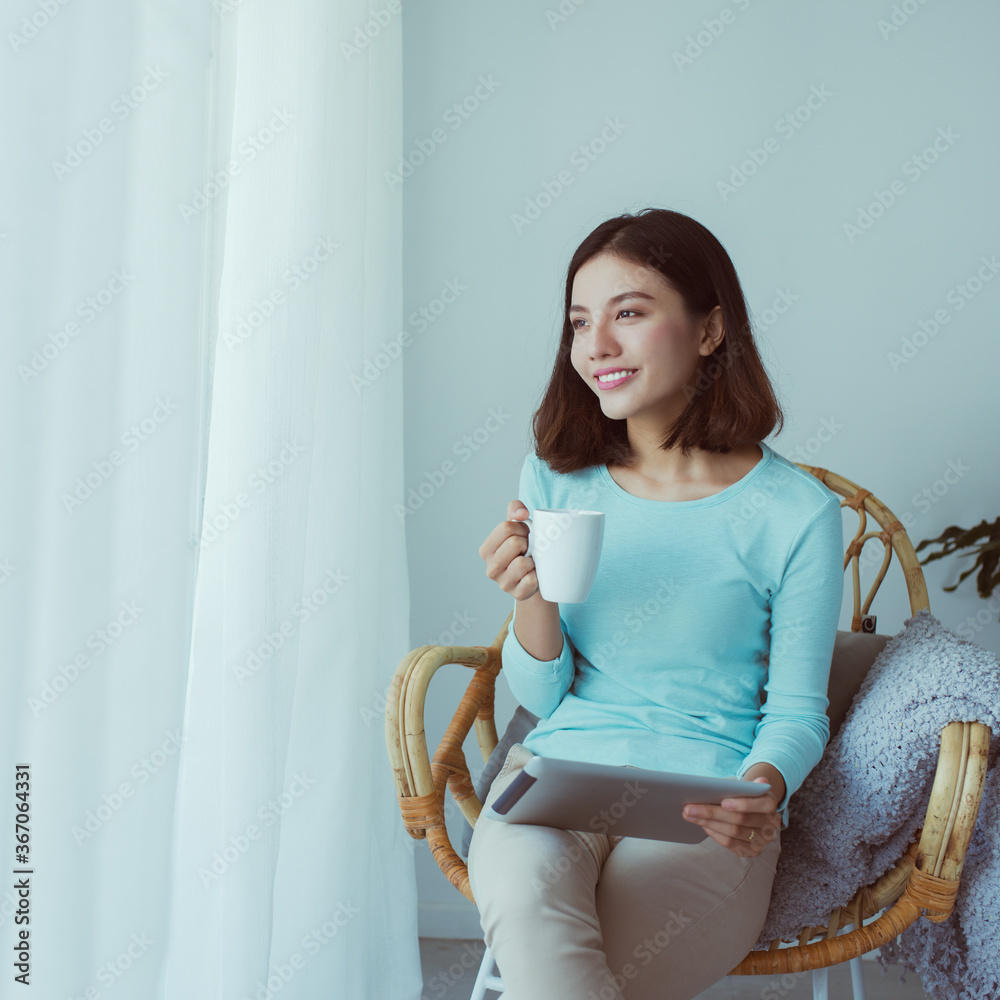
<point>603,341</point>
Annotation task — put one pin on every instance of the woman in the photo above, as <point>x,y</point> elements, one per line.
<point>719,585</point>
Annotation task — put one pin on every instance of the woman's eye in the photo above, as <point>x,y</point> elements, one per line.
<point>620,311</point>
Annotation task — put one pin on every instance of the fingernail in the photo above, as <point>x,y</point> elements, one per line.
<point>690,813</point>
<point>728,804</point>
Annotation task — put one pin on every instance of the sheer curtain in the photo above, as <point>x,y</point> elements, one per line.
<point>202,577</point>
<point>301,603</point>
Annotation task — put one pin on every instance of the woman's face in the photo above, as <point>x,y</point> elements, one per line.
<point>627,317</point>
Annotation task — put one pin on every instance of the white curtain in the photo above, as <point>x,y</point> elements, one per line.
<point>203,581</point>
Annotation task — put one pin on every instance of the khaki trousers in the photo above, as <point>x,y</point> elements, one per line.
<point>587,916</point>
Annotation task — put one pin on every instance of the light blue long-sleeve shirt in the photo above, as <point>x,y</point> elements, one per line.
<point>705,644</point>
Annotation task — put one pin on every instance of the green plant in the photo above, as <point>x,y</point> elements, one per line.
<point>983,540</point>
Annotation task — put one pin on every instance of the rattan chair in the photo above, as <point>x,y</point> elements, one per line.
<point>923,883</point>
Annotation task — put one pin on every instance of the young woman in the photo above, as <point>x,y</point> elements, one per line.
<point>704,646</point>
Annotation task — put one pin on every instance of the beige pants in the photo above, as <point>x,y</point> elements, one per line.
<point>588,916</point>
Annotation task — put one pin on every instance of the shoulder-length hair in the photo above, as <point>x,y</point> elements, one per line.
<point>731,402</point>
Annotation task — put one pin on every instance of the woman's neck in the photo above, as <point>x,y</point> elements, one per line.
<point>673,475</point>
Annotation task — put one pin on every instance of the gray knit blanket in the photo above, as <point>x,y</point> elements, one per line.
<point>860,807</point>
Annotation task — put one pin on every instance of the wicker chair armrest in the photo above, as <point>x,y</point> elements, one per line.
<point>924,881</point>
<point>420,781</point>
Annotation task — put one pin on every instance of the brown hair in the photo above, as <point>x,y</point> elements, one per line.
<point>731,403</point>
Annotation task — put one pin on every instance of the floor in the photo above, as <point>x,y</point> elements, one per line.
<point>450,967</point>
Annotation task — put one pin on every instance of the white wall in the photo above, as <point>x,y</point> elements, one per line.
<point>550,87</point>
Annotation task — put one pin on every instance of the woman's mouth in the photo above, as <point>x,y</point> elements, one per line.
<point>614,379</point>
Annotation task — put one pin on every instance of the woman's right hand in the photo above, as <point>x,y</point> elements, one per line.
<point>504,553</point>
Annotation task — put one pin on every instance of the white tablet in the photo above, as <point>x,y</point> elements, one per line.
<point>614,799</point>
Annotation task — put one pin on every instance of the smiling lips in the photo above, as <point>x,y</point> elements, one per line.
<point>616,378</point>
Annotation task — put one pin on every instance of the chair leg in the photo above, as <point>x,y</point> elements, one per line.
<point>858,978</point>
<point>486,980</point>
<point>821,984</point>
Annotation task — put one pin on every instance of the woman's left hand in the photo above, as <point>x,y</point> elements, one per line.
<point>743,825</point>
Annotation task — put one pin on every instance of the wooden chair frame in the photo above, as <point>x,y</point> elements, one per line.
<point>925,880</point>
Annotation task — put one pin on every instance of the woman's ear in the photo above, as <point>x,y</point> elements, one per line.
<point>712,331</point>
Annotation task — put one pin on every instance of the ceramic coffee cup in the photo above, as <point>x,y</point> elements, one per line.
<point>566,547</point>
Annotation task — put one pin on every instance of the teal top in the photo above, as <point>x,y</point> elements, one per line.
<point>704,646</point>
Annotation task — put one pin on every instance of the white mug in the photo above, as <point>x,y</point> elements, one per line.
<point>566,547</point>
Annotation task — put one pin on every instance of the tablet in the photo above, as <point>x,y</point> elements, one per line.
<point>618,800</point>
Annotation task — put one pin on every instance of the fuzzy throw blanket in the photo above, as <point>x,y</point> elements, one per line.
<point>861,806</point>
